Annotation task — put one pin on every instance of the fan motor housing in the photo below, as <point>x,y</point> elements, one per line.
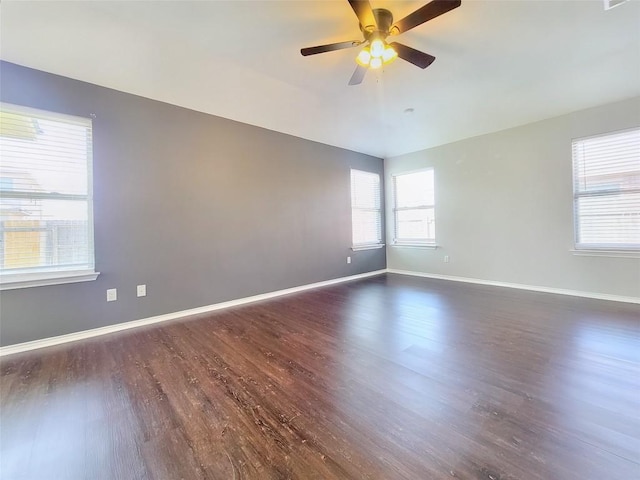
<point>384,20</point>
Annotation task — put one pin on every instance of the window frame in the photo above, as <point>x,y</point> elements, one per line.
<point>55,274</point>
<point>378,243</point>
<point>599,249</point>
<point>401,242</point>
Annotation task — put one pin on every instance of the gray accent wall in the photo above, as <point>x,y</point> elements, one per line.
<point>504,207</point>
<point>199,208</point>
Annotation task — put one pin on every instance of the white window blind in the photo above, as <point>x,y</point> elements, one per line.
<point>414,208</point>
<point>46,223</point>
<point>606,179</point>
<point>366,212</point>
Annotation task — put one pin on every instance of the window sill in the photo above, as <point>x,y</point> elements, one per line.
<point>367,247</point>
<point>606,253</point>
<point>14,281</point>
<point>428,246</point>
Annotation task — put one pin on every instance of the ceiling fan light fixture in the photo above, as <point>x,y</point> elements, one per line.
<point>364,57</point>
<point>377,48</point>
<point>389,54</point>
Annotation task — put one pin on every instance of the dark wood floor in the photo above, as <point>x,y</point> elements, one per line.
<point>388,378</point>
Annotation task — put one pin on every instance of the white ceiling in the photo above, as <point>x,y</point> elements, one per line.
<point>499,63</point>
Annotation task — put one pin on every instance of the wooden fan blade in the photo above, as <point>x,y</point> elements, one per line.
<point>423,14</point>
<point>328,48</point>
<point>358,75</point>
<point>363,11</point>
<point>411,55</point>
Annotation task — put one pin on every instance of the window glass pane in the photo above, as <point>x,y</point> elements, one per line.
<point>366,225</point>
<point>610,219</point>
<point>43,233</point>
<point>51,157</point>
<point>365,189</point>
<point>608,161</point>
<point>416,224</point>
<point>415,189</point>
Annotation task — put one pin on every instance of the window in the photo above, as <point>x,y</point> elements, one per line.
<point>414,208</point>
<point>606,191</point>
<point>46,221</point>
<point>366,213</point>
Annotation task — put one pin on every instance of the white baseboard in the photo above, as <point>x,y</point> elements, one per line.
<point>95,332</point>
<point>559,291</point>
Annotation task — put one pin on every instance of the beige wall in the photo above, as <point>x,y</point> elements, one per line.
<point>504,209</point>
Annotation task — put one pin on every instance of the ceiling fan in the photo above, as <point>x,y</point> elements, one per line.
<point>376,25</point>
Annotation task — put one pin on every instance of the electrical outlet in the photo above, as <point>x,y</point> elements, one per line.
<point>446,259</point>
<point>348,259</point>
<point>112,295</point>
<point>141,290</point>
